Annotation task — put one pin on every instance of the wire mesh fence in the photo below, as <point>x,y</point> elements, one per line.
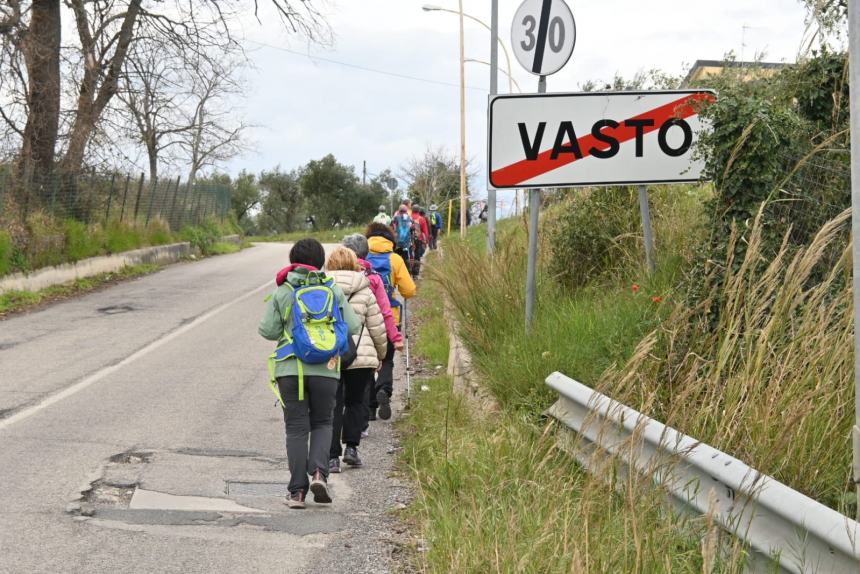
<point>100,198</point>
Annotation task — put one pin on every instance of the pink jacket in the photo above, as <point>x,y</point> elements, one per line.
<point>378,289</point>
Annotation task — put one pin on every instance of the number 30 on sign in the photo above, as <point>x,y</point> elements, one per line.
<point>543,35</point>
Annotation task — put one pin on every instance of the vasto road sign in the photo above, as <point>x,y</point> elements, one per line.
<point>595,138</point>
<point>543,35</point>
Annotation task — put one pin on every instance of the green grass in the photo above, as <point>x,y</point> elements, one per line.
<point>17,301</point>
<point>496,494</point>
<point>224,248</point>
<point>323,235</point>
<point>43,240</point>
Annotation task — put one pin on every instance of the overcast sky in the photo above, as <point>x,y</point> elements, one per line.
<point>305,107</point>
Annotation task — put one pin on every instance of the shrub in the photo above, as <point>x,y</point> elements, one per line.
<point>46,241</point>
<point>6,249</point>
<point>158,232</point>
<point>121,237</point>
<point>82,241</point>
<point>591,233</point>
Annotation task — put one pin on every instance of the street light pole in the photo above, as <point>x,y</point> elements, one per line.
<point>494,89</point>
<point>463,203</point>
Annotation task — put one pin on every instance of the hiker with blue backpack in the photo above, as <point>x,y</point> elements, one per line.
<point>404,235</point>
<point>311,320</point>
<point>395,277</point>
<point>350,412</point>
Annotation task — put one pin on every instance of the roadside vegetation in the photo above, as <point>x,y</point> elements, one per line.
<point>742,339</point>
<point>321,235</point>
<point>497,494</point>
<point>43,240</point>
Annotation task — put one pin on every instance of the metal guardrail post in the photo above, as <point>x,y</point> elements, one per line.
<point>774,520</point>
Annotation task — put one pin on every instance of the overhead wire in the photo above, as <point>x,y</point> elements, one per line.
<point>365,68</point>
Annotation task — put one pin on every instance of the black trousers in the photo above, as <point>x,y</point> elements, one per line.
<point>384,378</point>
<point>308,425</point>
<point>350,410</point>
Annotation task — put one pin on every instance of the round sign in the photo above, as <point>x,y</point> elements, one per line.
<point>543,35</point>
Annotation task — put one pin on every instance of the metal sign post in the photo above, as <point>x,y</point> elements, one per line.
<point>645,211</point>
<point>543,36</point>
<point>854,71</point>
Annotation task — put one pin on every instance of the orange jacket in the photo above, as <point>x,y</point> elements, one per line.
<point>400,277</point>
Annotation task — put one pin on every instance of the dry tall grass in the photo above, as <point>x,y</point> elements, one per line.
<point>773,383</point>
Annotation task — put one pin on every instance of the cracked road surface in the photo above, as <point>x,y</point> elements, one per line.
<point>126,412</point>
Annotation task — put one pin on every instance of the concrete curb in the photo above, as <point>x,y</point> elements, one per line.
<point>49,276</point>
<point>460,369</point>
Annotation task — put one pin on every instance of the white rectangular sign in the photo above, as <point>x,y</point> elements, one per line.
<point>595,138</point>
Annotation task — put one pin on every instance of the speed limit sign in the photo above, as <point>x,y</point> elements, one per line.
<point>543,35</point>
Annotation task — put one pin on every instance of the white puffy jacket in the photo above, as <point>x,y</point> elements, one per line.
<point>374,340</point>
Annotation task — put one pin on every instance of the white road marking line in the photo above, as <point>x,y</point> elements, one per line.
<point>142,352</point>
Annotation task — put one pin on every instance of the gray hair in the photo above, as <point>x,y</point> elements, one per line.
<point>358,243</point>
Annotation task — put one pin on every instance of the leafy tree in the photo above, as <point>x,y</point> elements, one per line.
<point>330,190</point>
<point>246,196</point>
<point>281,204</point>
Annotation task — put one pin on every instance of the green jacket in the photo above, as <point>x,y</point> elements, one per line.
<point>277,316</point>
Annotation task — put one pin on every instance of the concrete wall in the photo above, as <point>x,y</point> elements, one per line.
<point>48,276</point>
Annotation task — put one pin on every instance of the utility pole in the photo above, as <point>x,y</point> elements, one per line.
<point>494,89</point>
<point>463,202</point>
<point>364,172</point>
<point>854,71</point>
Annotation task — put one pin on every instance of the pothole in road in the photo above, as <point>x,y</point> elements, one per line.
<point>115,309</point>
<point>197,487</point>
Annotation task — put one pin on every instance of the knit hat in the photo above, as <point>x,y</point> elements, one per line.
<point>358,244</point>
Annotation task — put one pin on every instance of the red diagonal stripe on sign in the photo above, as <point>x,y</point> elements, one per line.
<point>525,170</point>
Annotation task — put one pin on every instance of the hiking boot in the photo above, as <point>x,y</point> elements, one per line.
<point>384,405</point>
<point>296,500</point>
<point>334,465</point>
<point>320,489</point>
<point>372,416</point>
<point>350,456</point>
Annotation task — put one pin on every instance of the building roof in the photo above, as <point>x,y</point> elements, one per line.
<point>704,68</point>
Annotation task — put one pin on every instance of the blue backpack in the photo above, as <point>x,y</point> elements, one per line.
<point>318,332</point>
<point>404,231</point>
<point>381,263</point>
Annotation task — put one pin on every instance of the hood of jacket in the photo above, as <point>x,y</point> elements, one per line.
<point>350,281</point>
<point>295,274</point>
<point>380,244</point>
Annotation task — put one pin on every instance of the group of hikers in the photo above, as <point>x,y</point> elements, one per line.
<point>415,231</point>
<point>338,323</point>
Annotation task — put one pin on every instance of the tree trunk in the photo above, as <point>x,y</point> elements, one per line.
<point>92,101</point>
<point>42,58</point>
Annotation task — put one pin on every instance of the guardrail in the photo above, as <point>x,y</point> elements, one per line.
<point>776,522</point>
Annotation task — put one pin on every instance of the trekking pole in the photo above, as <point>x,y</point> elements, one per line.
<point>406,348</point>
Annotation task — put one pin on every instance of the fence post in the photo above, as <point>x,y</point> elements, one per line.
<point>153,189</point>
<point>137,201</point>
<point>124,194</point>
<point>197,207</point>
<point>110,198</point>
<point>173,203</point>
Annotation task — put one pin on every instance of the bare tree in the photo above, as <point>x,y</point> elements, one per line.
<point>433,177</point>
<point>106,31</point>
<point>214,135</point>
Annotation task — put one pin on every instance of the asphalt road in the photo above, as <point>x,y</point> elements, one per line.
<point>158,386</point>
